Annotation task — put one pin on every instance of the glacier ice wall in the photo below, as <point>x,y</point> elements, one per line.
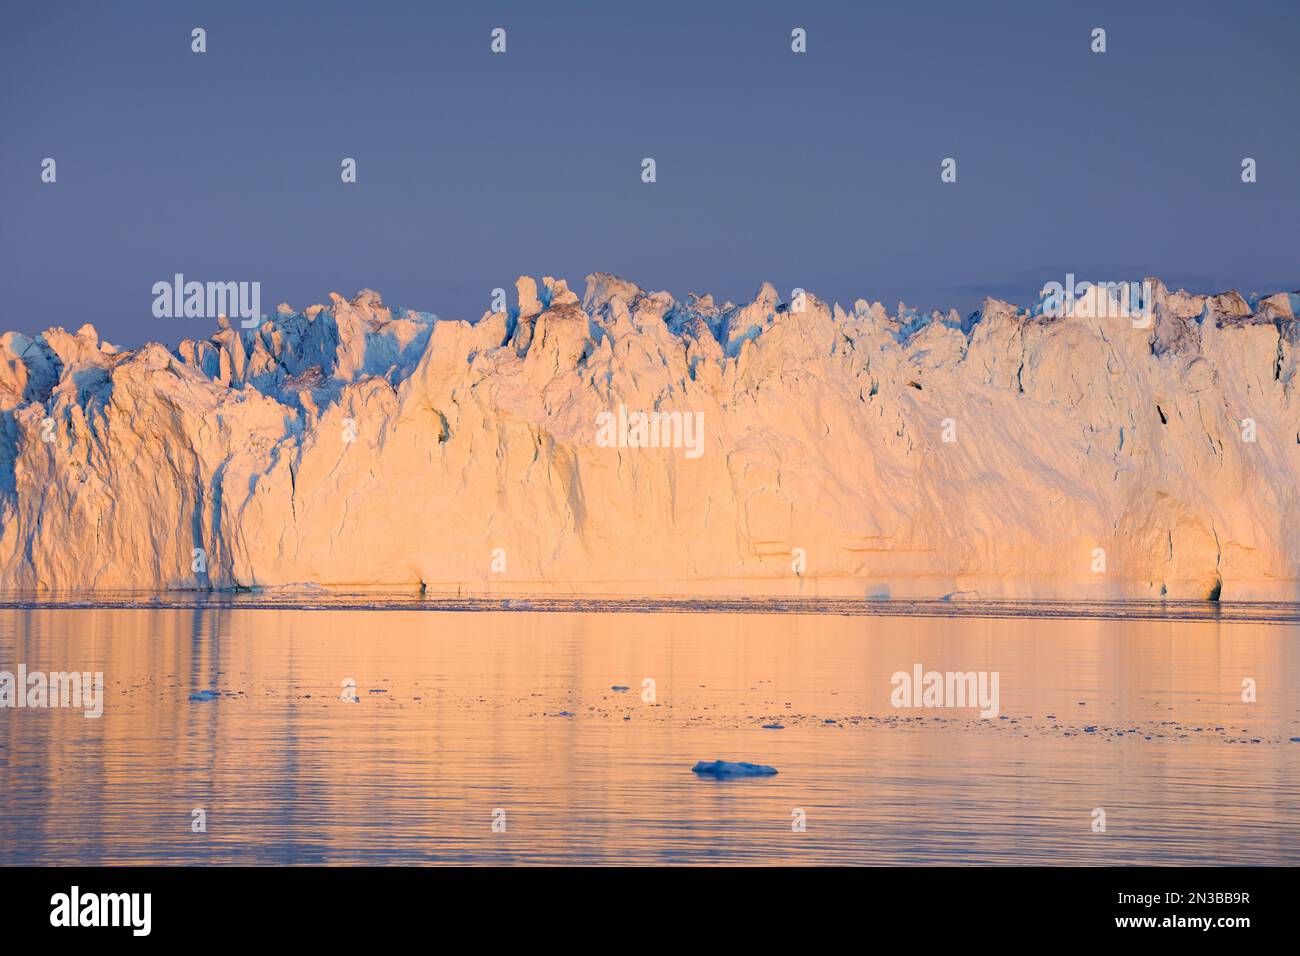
<point>351,446</point>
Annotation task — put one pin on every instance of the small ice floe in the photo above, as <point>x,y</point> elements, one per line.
<point>205,695</point>
<point>726,768</point>
<point>620,688</point>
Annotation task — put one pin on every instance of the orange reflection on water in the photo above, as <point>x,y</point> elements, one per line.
<point>461,714</point>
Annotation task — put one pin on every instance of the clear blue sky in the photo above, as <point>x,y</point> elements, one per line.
<point>818,170</point>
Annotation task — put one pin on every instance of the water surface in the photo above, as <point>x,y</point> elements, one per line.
<point>467,709</point>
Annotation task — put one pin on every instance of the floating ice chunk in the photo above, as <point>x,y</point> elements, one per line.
<point>726,768</point>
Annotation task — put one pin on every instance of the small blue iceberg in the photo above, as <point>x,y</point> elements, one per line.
<point>726,768</point>
<point>205,695</point>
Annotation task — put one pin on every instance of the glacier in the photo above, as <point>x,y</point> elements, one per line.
<point>846,452</point>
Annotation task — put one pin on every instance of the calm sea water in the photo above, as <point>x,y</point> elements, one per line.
<point>467,709</point>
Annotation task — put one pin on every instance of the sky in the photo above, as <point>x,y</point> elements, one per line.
<point>818,170</point>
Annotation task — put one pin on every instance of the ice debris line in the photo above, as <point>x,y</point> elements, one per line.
<point>845,452</point>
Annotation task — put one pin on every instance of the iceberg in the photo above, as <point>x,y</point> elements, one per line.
<point>726,768</point>
<point>842,452</point>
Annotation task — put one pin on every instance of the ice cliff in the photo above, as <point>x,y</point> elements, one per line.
<point>844,452</point>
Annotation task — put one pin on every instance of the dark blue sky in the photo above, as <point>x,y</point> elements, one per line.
<point>818,170</point>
